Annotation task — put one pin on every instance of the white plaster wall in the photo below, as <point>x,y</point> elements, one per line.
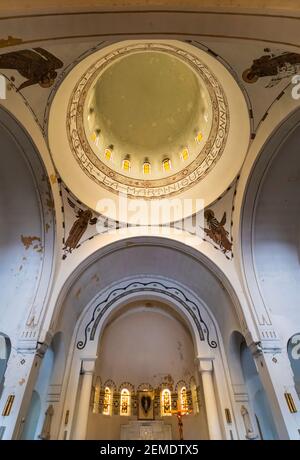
<point>148,259</point>
<point>19,215</point>
<point>145,344</point>
<point>276,238</point>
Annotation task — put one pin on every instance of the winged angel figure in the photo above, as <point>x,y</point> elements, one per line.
<point>216,230</point>
<point>79,227</point>
<point>37,66</point>
<point>277,65</point>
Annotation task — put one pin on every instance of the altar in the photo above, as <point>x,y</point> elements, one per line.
<point>146,430</point>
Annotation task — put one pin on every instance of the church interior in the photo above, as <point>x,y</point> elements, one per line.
<point>150,220</point>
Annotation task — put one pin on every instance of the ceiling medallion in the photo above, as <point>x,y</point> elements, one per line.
<point>104,175</point>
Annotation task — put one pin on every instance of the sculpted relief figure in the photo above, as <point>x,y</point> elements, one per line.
<point>45,434</point>
<point>250,433</point>
<point>38,66</point>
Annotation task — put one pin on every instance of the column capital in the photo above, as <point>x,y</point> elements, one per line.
<point>205,364</point>
<point>88,365</point>
<point>256,348</point>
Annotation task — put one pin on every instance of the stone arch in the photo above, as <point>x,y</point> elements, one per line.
<point>110,384</point>
<point>183,383</point>
<point>97,314</point>
<point>191,292</point>
<point>129,386</point>
<point>144,386</point>
<point>28,212</point>
<point>269,230</point>
<point>111,250</point>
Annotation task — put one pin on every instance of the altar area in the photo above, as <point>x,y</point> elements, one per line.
<point>146,430</point>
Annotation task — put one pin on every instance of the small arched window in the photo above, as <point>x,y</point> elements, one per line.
<point>97,396</point>
<point>195,398</point>
<point>184,407</point>
<point>166,402</point>
<point>125,402</point>
<point>107,401</point>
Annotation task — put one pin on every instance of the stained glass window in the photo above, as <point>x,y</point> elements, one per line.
<point>184,154</point>
<point>96,397</point>
<point>125,402</point>
<point>184,407</point>
<point>126,165</point>
<point>108,154</point>
<point>146,167</point>
<point>195,398</point>
<point>167,165</point>
<point>107,401</point>
<point>199,137</point>
<point>166,402</point>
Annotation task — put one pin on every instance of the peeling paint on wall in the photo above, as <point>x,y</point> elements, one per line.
<point>27,241</point>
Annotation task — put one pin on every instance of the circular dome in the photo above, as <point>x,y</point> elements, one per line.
<point>149,120</point>
<point>147,107</point>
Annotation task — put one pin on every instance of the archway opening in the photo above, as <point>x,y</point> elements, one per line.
<point>146,357</point>
<point>97,295</point>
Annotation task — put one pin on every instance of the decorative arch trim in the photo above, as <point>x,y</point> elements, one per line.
<point>180,384</point>
<point>145,387</point>
<point>110,384</point>
<point>173,292</point>
<point>126,386</point>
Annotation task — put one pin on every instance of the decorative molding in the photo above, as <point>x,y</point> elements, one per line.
<point>87,365</point>
<point>42,347</point>
<point>145,387</point>
<point>205,365</point>
<point>110,384</point>
<point>182,383</point>
<point>256,348</point>
<point>126,385</point>
<point>100,173</point>
<point>135,287</point>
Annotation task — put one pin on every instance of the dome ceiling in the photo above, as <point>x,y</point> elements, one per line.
<point>148,106</point>
<point>149,120</point>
